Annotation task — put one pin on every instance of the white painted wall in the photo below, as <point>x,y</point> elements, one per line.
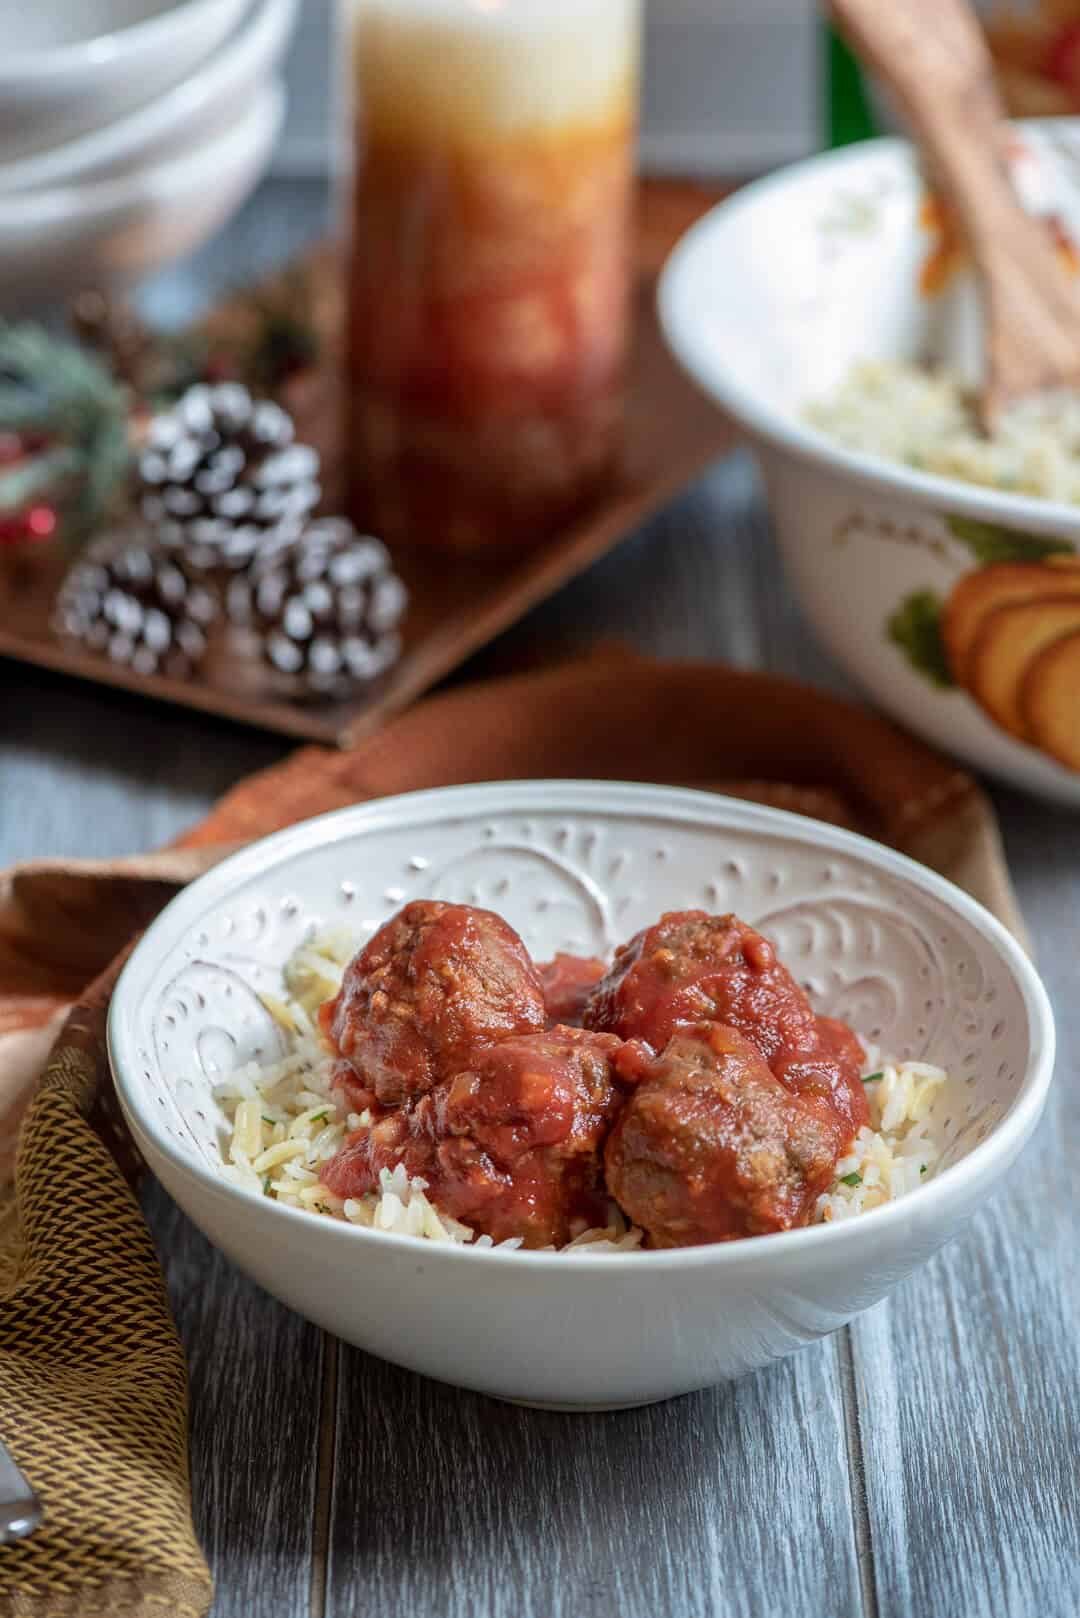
<point>731,86</point>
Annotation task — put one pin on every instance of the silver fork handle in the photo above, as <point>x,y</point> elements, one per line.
<point>20,1508</point>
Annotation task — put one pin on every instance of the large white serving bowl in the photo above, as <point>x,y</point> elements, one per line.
<point>768,302</point>
<point>912,961</point>
<point>200,106</point>
<point>68,66</point>
<point>111,231</point>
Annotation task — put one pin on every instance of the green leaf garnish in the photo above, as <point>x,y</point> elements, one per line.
<point>872,1078</point>
<point>924,1168</point>
<point>854,1178</point>
<point>988,542</point>
<point>270,1121</point>
<point>319,1117</point>
<point>266,1186</point>
<point>915,627</point>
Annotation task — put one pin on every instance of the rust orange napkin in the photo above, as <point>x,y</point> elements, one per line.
<point>92,1384</point>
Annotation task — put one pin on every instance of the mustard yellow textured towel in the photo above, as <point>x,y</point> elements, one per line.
<point>93,1386</point>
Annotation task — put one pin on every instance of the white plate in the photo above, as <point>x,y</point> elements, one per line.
<point>199,107</point>
<point>111,231</point>
<point>911,960</point>
<point>70,66</point>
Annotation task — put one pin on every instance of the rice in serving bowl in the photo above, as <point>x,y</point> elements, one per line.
<point>926,418</point>
<point>285,1122</point>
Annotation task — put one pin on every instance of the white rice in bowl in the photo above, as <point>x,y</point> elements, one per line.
<point>285,1122</point>
<point>926,419</point>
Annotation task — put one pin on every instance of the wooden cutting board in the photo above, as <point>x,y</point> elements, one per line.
<point>456,607</point>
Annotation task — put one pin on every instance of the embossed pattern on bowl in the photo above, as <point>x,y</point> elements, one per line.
<point>914,964</point>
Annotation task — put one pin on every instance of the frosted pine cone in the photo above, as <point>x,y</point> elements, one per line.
<point>137,606</point>
<point>325,610</point>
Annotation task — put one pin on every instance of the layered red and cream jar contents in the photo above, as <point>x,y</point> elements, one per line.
<point>489,265</point>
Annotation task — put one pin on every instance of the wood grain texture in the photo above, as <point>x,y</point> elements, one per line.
<point>255,1372</point>
<point>450,1505</point>
<point>93,772</point>
<point>969,1377</point>
<point>925,1463</point>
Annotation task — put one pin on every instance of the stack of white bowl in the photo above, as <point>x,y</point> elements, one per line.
<point>130,130</point>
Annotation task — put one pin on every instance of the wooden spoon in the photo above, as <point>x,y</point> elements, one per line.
<point>933,56</point>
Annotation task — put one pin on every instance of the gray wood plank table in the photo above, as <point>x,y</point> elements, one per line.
<point>925,1461</point>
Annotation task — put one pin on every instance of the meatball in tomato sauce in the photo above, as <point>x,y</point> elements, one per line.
<point>435,984</point>
<point>691,968</point>
<point>711,1146</point>
<point>511,1145</point>
<point>568,981</point>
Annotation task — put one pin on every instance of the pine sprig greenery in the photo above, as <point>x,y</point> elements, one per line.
<point>55,394</point>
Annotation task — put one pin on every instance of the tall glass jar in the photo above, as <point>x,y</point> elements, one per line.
<point>488,269</point>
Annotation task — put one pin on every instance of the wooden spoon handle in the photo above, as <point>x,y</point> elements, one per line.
<point>933,56</point>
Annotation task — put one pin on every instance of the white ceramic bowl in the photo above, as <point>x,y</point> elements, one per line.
<point>69,66</point>
<point>109,232</point>
<point>199,107</point>
<point>768,302</point>
<point>577,866</point>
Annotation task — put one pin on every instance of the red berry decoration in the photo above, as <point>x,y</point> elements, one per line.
<point>31,527</point>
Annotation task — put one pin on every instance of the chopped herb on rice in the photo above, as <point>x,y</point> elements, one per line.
<point>888,1159</point>
<point>285,1124</point>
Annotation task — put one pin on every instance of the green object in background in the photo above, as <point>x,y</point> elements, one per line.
<point>63,404</point>
<point>988,542</point>
<point>915,627</point>
<point>848,114</point>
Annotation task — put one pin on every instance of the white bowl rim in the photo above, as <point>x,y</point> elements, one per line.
<point>110,49</point>
<point>629,799</point>
<point>261,117</point>
<point>263,30</point>
<point>679,324</point>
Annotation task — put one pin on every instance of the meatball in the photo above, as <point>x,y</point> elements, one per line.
<point>568,981</point>
<point>511,1145</point>
<point>691,967</point>
<point>711,1146</point>
<point>435,983</point>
